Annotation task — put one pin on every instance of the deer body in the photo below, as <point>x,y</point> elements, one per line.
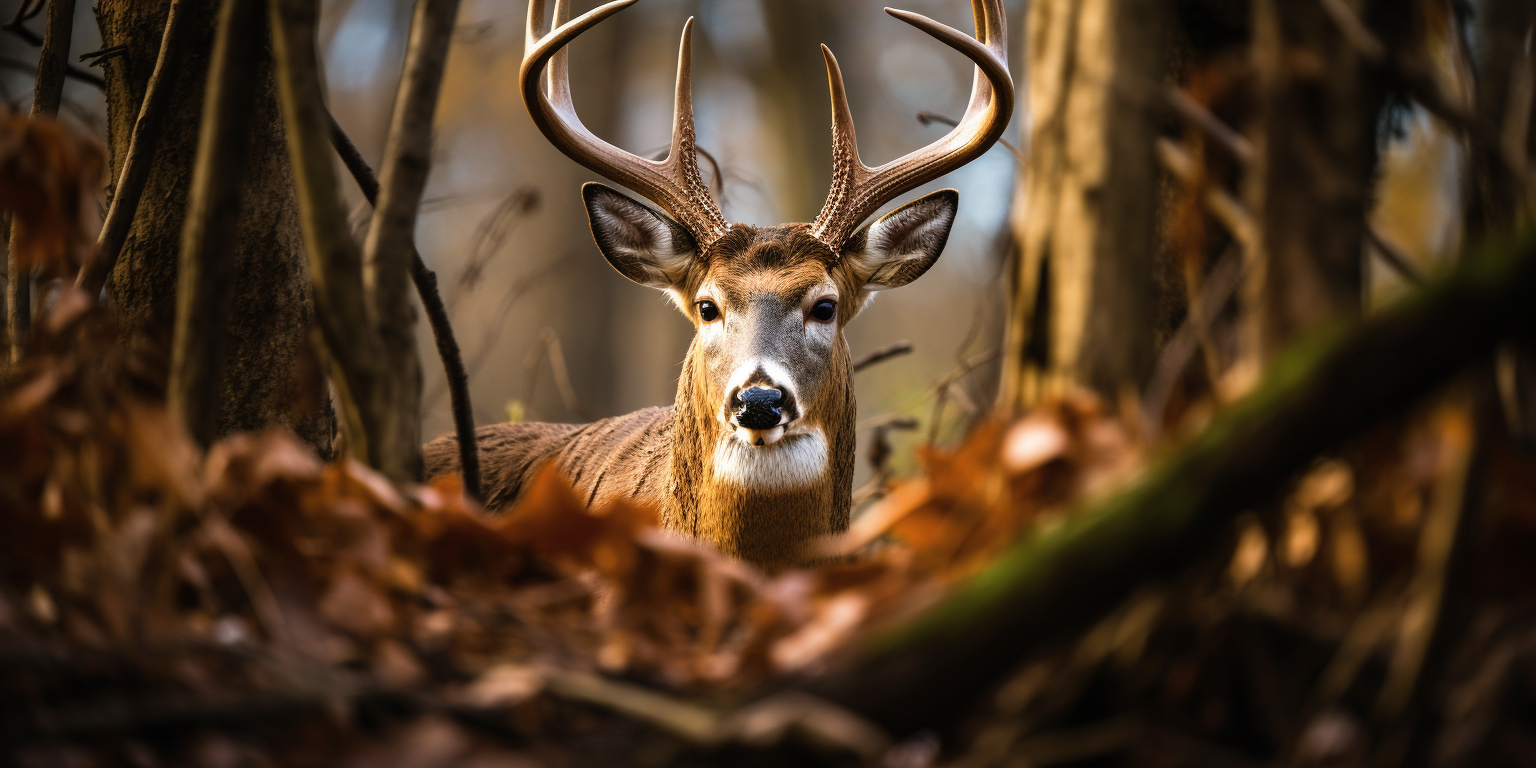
<point>756,454</point>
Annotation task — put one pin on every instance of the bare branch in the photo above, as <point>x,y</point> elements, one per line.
<point>437,317</point>
<point>1220,203</point>
<point>141,152</point>
<point>1193,111</point>
<point>389,247</point>
<point>883,354</point>
<point>1393,256</point>
<point>208,237</point>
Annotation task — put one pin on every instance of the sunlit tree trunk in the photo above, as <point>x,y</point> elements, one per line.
<point>1084,304</point>
<point>270,310</point>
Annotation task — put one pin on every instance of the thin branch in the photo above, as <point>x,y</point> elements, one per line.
<point>335,265</point>
<point>1220,286</point>
<point>1393,256</point>
<point>926,118</point>
<point>47,93</point>
<point>28,10</point>
<point>388,248</point>
<point>437,317</point>
<point>883,354</point>
<point>147,128</point>
<point>75,72</point>
<point>1219,202</point>
<point>1212,126</point>
<point>208,238</point>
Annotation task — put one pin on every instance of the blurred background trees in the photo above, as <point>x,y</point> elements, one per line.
<point>1127,235</point>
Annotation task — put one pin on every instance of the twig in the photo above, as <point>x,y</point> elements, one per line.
<point>99,57</point>
<point>1193,111</point>
<point>335,265</point>
<point>883,354</point>
<point>437,317</point>
<point>25,12</point>
<point>147,128</point>
<point>549,344</point>
<point>75,72</point>
<point>942,388</point>
<point>1443,541</point>
<point>388,249</point>
<point>47,93</point>
<point>206,278</point>
<point>492,234</point>
<point>1218,201</point>
<point>925,117</point>
<point>1219,288</point>
<point>1393,256</point>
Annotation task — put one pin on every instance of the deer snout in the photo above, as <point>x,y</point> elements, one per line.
<point>760,414</point>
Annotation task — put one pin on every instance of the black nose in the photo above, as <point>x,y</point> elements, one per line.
<point>758,407</point>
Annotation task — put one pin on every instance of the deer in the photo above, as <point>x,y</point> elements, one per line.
<point>755,456</point>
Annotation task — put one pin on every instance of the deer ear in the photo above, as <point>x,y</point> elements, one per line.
<point>900,246</point>
<point>641,244</point>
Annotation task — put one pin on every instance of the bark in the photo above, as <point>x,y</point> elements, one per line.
<point>140,154</point>
<point>1316,152</point>
<point>389,251</point>
<point>1083,312</point>
<point>270,309</point>
<point>48,92</point>
<point>1335,384</point>
<point>202,308</point>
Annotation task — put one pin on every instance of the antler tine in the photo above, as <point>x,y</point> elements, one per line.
<point>675,183</point>
<point>858,190</point>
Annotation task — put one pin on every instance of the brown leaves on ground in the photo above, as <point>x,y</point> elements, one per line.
<point>298,582</point>
<point>52,176</point>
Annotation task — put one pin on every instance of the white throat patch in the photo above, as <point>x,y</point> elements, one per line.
<point>795,462</point>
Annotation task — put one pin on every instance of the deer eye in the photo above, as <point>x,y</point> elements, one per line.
<point>825,310</point>
<point>708,311</point>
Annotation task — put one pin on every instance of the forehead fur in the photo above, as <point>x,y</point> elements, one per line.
<point>781,259</point>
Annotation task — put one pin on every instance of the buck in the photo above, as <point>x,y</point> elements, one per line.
<point>756,455</point>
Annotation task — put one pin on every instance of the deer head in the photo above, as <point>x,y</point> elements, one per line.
<point>767,385</point>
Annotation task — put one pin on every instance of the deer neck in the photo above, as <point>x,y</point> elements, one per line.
<point>767,524</point>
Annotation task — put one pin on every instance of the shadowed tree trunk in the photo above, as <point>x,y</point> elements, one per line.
<point>1504,95</point>
<point>271,309</point>
<point>1504,76</point>
<point>1083,312</point>
<point>1316,139</point>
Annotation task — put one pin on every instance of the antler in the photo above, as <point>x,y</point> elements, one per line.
<point>858,190</point>
<point>673,183</point>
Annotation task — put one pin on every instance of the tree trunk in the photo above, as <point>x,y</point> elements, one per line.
<point>271,309</point>
<point>1505,94</point>
<point>1083,312</point>
<point>1310,187</point>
